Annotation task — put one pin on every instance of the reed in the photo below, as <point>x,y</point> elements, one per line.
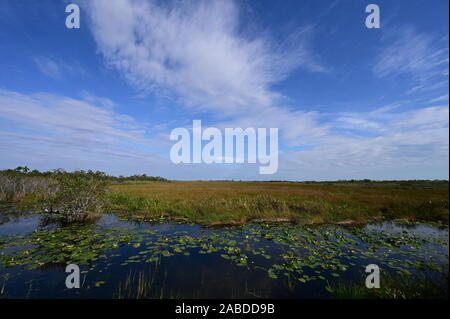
<point>213,202</point>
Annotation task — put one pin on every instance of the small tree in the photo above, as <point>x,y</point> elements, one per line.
<point>79,195</point>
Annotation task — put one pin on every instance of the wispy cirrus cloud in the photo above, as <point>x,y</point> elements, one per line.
<point>385,121</point>
<point>59,113</point>
<point>42,125</point>
<point>418,54</point>
<point>440,98</point>
<point>56,68</point>
<point>49,131</point>
<point>202,55</point>
<point>380,145</point>
<point>198,53</point>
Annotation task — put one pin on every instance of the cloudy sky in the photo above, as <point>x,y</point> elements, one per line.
<point>350,102</point>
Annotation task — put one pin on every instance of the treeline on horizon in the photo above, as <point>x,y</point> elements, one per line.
<point>24,171</point>
<point>401,183</point>
<point>360,182</point>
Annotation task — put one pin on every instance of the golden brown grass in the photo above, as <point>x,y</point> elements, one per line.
<point>225,201</point>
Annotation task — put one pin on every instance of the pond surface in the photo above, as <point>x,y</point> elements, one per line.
<point>124,259</point>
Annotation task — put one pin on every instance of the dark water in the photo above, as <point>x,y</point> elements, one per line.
<point>188,261</point>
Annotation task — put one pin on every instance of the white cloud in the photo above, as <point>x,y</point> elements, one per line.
<point>45,127</point>
<point>200,53</point>
<point>410,144</point>
<point>48,67</point>
<point>417,54</point>
<point>440,98</point>
<point>58,113</point>
<point>47,131</point>
<point>383,121</point>
<point>55,68</point>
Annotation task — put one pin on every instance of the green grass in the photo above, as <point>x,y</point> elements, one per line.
<point>394,288</point>
<point>225,201</point>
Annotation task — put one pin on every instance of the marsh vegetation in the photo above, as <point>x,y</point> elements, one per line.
<point>132,237</point>
<point>216,202</point>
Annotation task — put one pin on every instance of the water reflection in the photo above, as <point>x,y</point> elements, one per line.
<point>189,261</point>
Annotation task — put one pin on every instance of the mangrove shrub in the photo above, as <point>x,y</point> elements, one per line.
<point>79,195</point>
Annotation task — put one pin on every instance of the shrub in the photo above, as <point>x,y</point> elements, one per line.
<point>15,186</point>
<point>79,196</point>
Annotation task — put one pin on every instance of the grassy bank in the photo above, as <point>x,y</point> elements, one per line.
<point>405,287</point>
<point>216,202</point>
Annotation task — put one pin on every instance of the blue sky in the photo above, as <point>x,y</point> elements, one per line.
<point>350,102</point>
